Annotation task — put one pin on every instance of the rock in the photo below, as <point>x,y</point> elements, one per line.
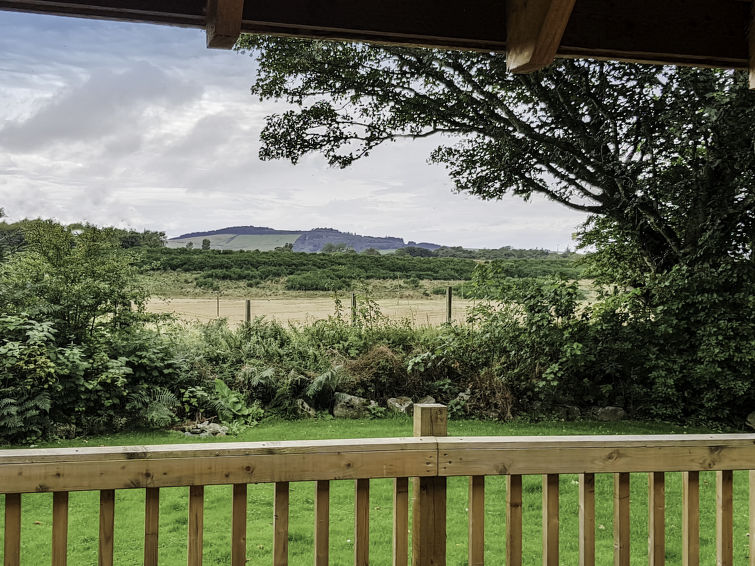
<point>610,414</point>
<point>351,407</point>
<point>205,429</point>
<point>426,400</point>
<point>568,412</point>
<point>304,411</point>
<point>751,420</point>
<point>401,405</point>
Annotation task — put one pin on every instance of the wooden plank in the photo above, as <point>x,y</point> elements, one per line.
<point>621,528</point>
<point>401,522</point>
<point>107,528</point>
<point>223,23</point>
<point>534,31</point>
<point>12,538</point>
<point>429,495</point>
<point>322,523</point>
<point>514,520</point>
<point>362,523</point>
<point>238,525</point>
<point>751,514</point>
<point>587,520</point>
<point>59,528</point>
<point>151,525</point>
<point>551,455</point>
<point>196,525</point>
<point>280,525</point>
<point>724,518</point>
<point>476,521</point>
<point>691,519</point>
<point>751,44</point>
<point>656,519</point>
<point>550,520</point>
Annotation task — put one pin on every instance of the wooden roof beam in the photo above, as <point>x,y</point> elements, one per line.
<point>223,23</point>
<point>534,32</point>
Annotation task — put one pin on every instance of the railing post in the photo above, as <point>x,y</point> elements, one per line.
<point>429,495</point>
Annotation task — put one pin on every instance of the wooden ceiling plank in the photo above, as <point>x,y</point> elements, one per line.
<point>223,23</point>
<point>534,32</point>
<point>751,33</point>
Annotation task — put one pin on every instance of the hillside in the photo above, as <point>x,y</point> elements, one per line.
<point>266,239</point>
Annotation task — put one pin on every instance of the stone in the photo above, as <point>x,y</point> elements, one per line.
<point>304,411</point>
<point>751,420</point>
<point>610,414</point>
<point>205,429</point>
<point>426,400</point>
<point>567,412</point>
<point>351,407</point>
<point>403,405</point>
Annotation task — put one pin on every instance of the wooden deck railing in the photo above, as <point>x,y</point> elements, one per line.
<point>430,457</point>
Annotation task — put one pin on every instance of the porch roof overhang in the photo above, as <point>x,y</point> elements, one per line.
<point>714,33</point>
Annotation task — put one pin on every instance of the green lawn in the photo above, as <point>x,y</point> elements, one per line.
<point>83,522</point>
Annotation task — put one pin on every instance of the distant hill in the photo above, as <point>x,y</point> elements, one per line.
<point>264,239</point>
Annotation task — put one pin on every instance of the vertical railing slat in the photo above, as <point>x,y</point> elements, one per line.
<point>196,525</point>
<point>656,519</point>
<point>476,507</point>
<point>401,522</point>
<point>280,525</point>
<point>587,520</point>
<point>514,520</point>
<point>362,523</point>
<point>621,530</point>
<point>751,514</point>
<point>107,527</point>
<point>724,518</point>
<point>322,522</point>
<point>151,525</point>
<point>690,518</point>
<point>60,528</point>
<point>12,538</point>
<point>550,520</point>
<point>238,525</point>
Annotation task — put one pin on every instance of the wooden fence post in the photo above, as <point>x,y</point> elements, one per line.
<point>353,309</point>
<point>429,495</point>
<point>248,313</point>
<point>449,303</point>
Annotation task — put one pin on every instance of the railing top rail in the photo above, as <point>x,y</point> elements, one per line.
<point>122,467</point>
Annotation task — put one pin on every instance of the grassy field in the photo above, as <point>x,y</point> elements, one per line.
<point>130,521</point>
<point>261,242</point>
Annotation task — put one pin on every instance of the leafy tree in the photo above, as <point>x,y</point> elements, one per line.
<point>206,244</point>
<point>661,157</point>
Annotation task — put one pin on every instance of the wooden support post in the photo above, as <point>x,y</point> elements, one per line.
<point>751,41</point>
<point>223,23</point>
<point>476,520</point>
<point>724,518</point>
<point>429,495</point>
<point>353,309</point>
<point>238,525</point>
<point>248,312</point>
<point>690,518</point>
<point>217,304</point>
<point>60,528</point>
<point>534,32</point>
<point>151,525</point>
<point>107,527</point>
<point>751,513</point>
<point>362,523</point>
<point>621,530</point>
<point>196,525</point>
<point>280,525</point>
<point>12,539</point>
<point>322,522</point>
<point>550,520</point>
<point>514,520</point>
<point>401,522</point>
<point>656,519</point>
<point>449,304</point>
<point>587,520</point>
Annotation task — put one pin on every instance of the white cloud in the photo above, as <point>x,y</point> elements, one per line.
<point>138,125</point>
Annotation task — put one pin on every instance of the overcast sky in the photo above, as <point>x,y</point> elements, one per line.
<point>140,126</point>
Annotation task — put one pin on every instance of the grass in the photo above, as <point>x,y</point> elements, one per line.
<point>83,522</point>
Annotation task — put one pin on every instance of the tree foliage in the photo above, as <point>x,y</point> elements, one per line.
<point>662,157</point>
